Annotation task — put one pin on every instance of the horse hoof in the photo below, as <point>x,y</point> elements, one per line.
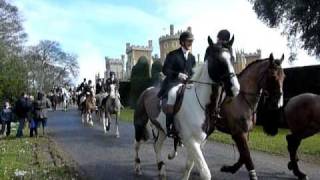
<point>227,169</point>
<point>290,166</point>
<point>137,169</point>
<point>304,178</point>
<point>172,156</point>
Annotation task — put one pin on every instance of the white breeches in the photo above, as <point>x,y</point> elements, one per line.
<point>172,95</point>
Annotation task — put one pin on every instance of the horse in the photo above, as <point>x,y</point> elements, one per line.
<point>111,105</point>
<point>65,98</point>
<point>190,118</point>
<point>54,101</point>
<point>265,77</point>
<point>87,108</point>
<point>303,118</point>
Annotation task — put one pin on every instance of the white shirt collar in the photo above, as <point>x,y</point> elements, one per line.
<point>185,52</point>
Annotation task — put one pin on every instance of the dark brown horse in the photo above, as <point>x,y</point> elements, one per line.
<point>262,76</point>
<point>302,114</point>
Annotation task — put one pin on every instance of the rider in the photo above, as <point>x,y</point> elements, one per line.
<point>178,69</point>
<point>99,87</point>
<point>112,80</point>
<point>223,37</point>
<point>88,88</point>
<point>83,84</point>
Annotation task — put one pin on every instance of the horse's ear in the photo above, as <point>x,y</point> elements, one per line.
<point>271,58</point>
<point>230,43</point>
<point>210,41</point>
<point>282,58</point>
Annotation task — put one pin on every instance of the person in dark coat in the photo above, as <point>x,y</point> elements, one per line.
<point>112,80</point>
<point>6,117</point>
<point>22,109</point>
<point>177,67</point>
<point>40,106</point>
<point>99,87</point>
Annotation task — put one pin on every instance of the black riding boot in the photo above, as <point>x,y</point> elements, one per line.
<point>170,125</point>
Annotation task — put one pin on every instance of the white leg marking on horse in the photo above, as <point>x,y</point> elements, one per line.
<point>104,123</point>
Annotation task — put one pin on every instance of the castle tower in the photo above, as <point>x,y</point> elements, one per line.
<point>170,42</point>
<point>134,53</point>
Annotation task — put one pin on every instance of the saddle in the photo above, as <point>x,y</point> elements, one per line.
<point>178,103</point>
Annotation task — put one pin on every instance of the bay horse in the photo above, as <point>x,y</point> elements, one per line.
<point>87,109</point>
<point>303,118</point>
<point>263,76</point>
<point>190,118</point>
<point>111,105</point>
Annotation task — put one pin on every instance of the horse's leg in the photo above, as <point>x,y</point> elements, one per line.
<point>117,127</point>
<point>189,166</point>
<point>108,121</point>
<point>137,167</point>
<point>174,153</point>
<point>294,141</point>
<point>158,150</point>
<point>194,151</point>
<point>104,121</point>
<point>245,157</point>
<point>90,117</point>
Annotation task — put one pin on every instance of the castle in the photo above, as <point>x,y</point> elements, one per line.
<point>167,43</point>
<point>243,59</point>
<point>116,65</point>
<point>170,42</point>
<point>134,53</point>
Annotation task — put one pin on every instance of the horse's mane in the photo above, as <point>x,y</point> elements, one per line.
<point>198,72</point>
<point>251,64</point>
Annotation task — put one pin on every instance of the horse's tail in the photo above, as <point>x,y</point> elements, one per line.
<point>141,119</point>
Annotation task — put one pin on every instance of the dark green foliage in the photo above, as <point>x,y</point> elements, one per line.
<point>300,19</point>
<point>140,80</point>
<point>124,91</point>
<point>156,69</point>
<point>13,79</point>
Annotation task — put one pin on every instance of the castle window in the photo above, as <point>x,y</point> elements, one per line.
<point>165,45</point>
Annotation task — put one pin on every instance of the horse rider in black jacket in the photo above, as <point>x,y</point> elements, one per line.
<point>177,67</point>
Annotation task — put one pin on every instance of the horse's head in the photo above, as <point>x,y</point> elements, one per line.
<point>272,82</point>
<point>220,67</point>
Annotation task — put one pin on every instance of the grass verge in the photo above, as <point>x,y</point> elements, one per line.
<point>258,140</point>
<point>33,158</point>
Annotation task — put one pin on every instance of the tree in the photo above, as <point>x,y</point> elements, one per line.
<point>12,34</point>
<point>300,19</point>
<point>140,79</point>
<point>156,70</point>
<point>49,65</point>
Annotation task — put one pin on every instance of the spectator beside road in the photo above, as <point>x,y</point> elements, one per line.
<point>6,117</point>
<point>22,109</point>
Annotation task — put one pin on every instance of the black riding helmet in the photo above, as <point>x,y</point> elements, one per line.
<point>112,73</point>
<point>224,35</point>
<point>186,35</point>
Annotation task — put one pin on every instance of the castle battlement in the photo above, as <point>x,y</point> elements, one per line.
<point>130,48</point>
<point>172,35</point>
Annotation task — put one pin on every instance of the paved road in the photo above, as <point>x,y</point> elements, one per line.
<point>106,157</point>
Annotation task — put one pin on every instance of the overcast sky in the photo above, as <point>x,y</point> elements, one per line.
<point>98,28</point>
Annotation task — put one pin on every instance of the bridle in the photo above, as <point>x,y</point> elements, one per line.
<point>261,92</point>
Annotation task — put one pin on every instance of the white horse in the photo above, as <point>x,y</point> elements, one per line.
<point>66,98</point>
<point>110,106</point>
<point>191,117</point>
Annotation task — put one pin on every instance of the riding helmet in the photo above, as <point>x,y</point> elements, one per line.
<point>224,35</point>
<point>186,35</point>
